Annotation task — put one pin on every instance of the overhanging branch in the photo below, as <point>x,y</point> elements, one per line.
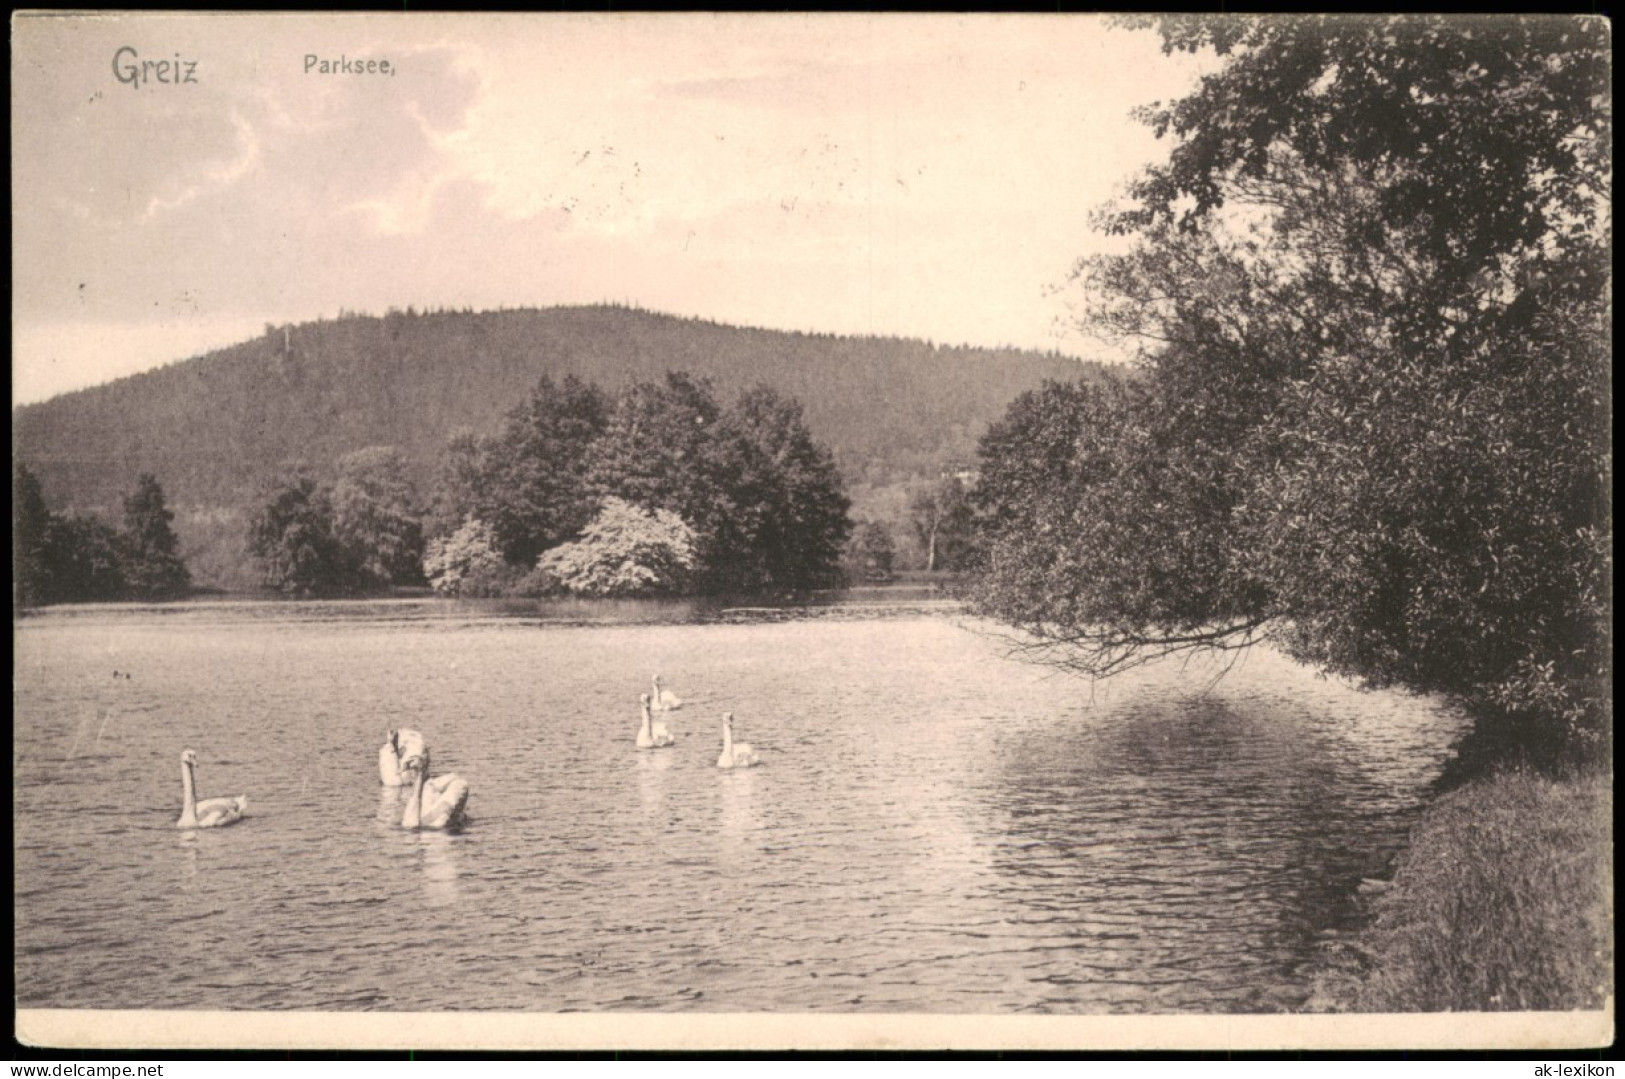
<point>1111,650</point>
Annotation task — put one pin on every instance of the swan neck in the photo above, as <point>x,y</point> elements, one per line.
<point>414,804</point>
<point>188,790</point>
<point>727,738</point>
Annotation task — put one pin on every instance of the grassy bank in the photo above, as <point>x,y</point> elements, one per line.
<point>1502,901</point>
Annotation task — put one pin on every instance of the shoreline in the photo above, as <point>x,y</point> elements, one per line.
<point>1500,900</point>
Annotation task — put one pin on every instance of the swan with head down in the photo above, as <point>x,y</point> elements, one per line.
<point>433,803</point>
<point>398,745</point>
<point>210,812</point>
<point>735,754</point>
<point>652,735</point>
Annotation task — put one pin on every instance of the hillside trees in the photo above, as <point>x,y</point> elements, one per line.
<point>1369,295</point>
<point>219,428</point>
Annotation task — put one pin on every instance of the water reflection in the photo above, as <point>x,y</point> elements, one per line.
<point>934,829</point>
<point>1176,845</point>
<point>736,789</point>
<point>391,804</point>
<point>188,867</point>
<point>438,863</point>
<point>653,769</point>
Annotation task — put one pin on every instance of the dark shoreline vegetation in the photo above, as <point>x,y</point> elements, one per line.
<point>1370,426</point>
<point>1373,431</point>
<point>1501,901</point>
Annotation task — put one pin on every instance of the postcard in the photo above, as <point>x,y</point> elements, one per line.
<point>789,531</point>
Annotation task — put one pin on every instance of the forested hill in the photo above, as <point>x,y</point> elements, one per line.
<point>216,429</point>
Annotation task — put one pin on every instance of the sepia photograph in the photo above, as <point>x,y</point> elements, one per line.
<point>714,532</point>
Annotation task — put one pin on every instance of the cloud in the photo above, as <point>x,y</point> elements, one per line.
<point>849,173</point>
<point>125,201</point>
<point>215,175</point>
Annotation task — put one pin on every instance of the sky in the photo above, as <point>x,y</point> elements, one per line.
<point>930,177</point>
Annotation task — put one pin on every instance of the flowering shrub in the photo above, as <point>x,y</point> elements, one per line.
<point>625,551</point>
<point>466,563</point>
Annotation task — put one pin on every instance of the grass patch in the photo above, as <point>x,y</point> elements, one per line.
<point>1503,901</point>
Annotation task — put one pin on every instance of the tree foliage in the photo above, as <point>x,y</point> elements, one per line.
<point>83,562</point>
<point>531,488</point>
<point>870,553</point>
<point>791,521</point>
<point>624,551</point>
<point>30,539</point>
<point>765,501</point>
<point>1368,292</point>
<point>294,538</point>
<point>378,516</point>
<point>467,563</point>
<point>222,427</point>
<point>941,516</point>
<point>80,558</point>
<point>152,567</point>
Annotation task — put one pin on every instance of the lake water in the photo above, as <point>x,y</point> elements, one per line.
<point>935,827</point>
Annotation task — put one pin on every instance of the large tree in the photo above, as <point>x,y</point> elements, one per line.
<point>153,568</point>
<point>377,515</point>
<point>765,501</point>
<point>293,537</point>
<point>528,483</point>
<point>1368,293</point>
<point>792,510</point>
<point>666,448</point>
<point>940,512</point>
<point>30,539</point>
<point>458,485</point>
<point>83,559</point>
<point>532,490</point>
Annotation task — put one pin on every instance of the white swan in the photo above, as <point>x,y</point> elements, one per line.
<point>398,745</point>
<point>662,736</point>
<point>664,700</point>
<point>211,812</point>
<point>652,735</point>
<point>734,754</point>
<point>433,803</point>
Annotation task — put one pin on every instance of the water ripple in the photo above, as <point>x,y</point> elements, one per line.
<point>934,827</point>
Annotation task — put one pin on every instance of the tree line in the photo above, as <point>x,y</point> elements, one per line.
<point>218,429</point>
<point>62,558</point>
<point>1369,295</point>
<point>659,489</point>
